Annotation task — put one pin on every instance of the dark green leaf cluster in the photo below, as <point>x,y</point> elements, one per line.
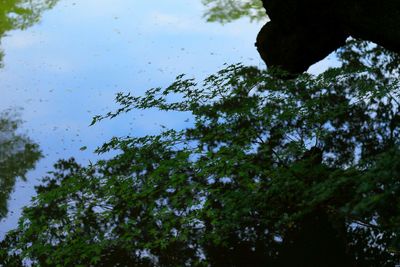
<point>18,155</point>
<point>271,173</point>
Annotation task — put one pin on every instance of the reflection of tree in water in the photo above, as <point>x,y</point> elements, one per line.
<point>18,154</point>
<point>230,10</point>
<point>20,14</point>
<point>273,173</point>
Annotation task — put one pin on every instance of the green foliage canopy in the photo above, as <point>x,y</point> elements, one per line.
<point>267,165</point>
<point>20,14</point>
<point>229,10</point>
<point>18,154</point>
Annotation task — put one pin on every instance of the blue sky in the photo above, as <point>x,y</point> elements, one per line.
<point>68,68</point>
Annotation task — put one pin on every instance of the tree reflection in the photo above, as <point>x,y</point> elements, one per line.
<point>18,155</point>
<point>302,172</point>
<point>229,10</point>
<point>20,14</point>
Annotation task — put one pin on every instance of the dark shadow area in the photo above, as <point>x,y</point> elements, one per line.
<point>302,33</point>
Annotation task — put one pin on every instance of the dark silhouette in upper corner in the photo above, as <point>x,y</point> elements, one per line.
<point>303,32</point>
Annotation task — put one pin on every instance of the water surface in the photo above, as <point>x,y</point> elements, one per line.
<point>68,67</point>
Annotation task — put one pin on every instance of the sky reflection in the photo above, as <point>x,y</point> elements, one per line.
<point>68,68</point>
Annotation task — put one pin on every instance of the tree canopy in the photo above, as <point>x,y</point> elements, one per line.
<point>224,11</point>
<point>18,155</point>
<point>20,14</point>
<point>271,173</point>
<point>301,172</point>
